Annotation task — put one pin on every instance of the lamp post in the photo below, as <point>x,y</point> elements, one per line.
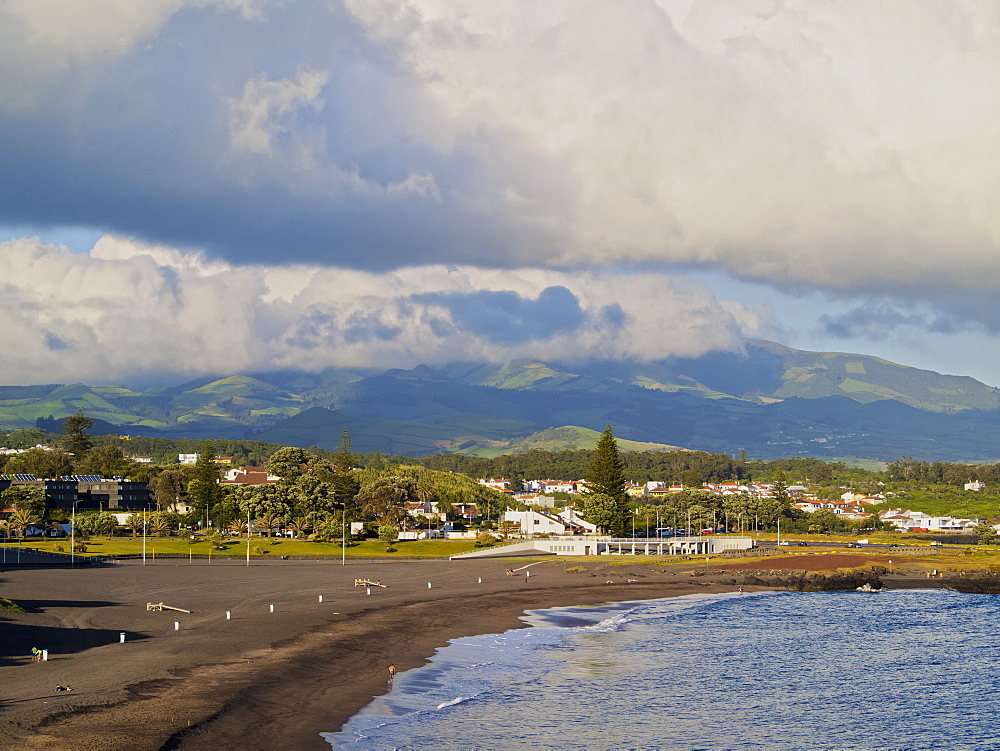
<point>343,535</point>
<point>144,538</point>
<point>72,536</point>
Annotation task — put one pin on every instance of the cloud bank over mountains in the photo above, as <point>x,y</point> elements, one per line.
<point>127,309</point>
<point>565,155</point>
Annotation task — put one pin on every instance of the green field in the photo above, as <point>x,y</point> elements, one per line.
<point>268,548</point>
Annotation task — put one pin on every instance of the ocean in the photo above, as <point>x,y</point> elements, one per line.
<point>905,669</point>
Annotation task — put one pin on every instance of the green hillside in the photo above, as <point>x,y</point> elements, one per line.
<point>769,400</point>
<point>560,439</point>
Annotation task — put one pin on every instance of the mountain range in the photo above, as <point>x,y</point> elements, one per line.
<point>769,400</point>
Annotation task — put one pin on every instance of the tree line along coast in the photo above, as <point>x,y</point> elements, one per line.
<point>316,494</point>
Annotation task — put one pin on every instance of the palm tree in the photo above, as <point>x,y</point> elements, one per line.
<point>5,527</point>
<point>506,528</point>
<point>237,527</point>
<point>300,525</point>
<point>160,527</point>
<point>268,521</point>
<point>21,519</point>
<point>135,523</point>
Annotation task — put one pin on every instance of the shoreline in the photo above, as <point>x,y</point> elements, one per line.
<point>276,680</point>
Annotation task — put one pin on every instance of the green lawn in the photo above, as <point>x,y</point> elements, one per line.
<point>102,546</point>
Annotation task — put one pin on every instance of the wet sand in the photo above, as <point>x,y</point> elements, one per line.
<point>262,679</point>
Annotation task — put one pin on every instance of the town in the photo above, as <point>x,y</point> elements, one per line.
<point>298,494</point>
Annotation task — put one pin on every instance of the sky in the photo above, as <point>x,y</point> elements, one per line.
<point>219,186</point>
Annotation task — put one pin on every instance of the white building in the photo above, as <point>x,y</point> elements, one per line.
<point>544,523</point>
<point>536,499</point>
<point>906,520</point>
<point>708,545</point>
<point>975,485</point>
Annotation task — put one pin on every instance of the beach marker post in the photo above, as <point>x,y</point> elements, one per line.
<point>272,607</point>
<point>480,580</point>
<point>428,585</point>
<point>121,637</point>
<point>45,655</point>
<point>369,590</point>
<point>229,615</point>
<point>321,598</point>
<point>177,625</point>
<point>527,574</point>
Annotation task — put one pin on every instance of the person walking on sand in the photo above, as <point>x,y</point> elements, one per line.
<point>36,654</point>
<point>392,672</point>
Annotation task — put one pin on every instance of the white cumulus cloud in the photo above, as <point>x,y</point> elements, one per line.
<point>129,308</point>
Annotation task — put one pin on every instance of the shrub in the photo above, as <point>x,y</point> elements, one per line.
<point>485,540</point>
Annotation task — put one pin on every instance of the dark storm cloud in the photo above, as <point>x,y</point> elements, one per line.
<point>147,145</point>
<point>509,318</point>
<point>874,322</point>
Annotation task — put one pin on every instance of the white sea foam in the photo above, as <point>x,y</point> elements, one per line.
<point>491,665</point>
<point>453,702</point>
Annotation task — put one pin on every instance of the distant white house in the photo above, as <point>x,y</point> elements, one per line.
<point>498,483</point>
<point>975,485</point>
<point>554,486</point>
<point>536,499</point>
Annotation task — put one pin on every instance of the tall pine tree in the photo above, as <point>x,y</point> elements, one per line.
<point>344,479</point>
<point>606,476</point>
<point>203,489</point>
<point>75,438</point>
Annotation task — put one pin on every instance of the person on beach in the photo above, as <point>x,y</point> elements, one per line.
<point>60,687</point>
<point>392,672</point>
<point>36,654</point>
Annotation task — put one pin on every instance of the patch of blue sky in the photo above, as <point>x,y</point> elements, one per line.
<point>800,315</point>
<point>78,239</point>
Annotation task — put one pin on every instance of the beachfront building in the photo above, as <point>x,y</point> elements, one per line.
<point>582,546</point>
<point>568,522</point>
<point>907,520</point>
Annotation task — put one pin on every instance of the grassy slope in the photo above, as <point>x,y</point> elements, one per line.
<point>563,438</point>
<point>275,547</point>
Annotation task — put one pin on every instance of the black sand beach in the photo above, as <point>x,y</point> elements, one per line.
<point>260,679</point>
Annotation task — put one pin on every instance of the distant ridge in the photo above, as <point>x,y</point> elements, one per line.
<point>769,400</point>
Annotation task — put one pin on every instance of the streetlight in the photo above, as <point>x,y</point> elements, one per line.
<point>72,536</point>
